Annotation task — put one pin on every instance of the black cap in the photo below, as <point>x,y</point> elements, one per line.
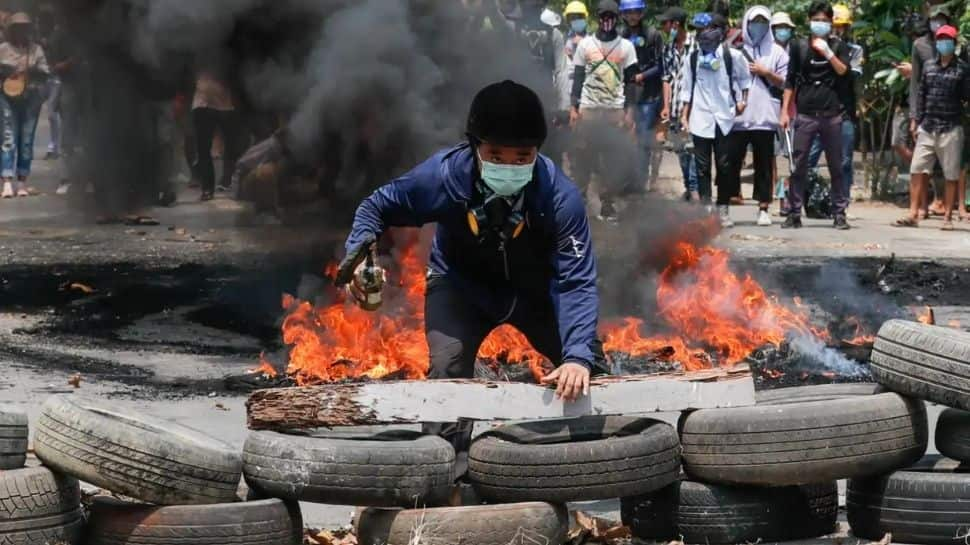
<point>607,6</point>
<point>674,13</point>
<point>507,114</point>
<point>718,21</point>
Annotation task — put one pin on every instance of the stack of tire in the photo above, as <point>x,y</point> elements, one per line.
<point>37,505</point>
<point>928,502</point>
<point>182,484</point>
<point>768,472</point>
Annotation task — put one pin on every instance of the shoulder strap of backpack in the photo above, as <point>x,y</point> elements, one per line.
<point>693,74</point>
<point>729,66</point>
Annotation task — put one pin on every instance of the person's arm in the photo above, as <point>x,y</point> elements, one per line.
<point>665,109</point>
<point>579,78</point>
<point>685,91</point>
<point>785,119</point>
<point>914,80</point>
<point>838,62</point>
<point>918,111</point>
<point>779,72</point>
<point>742,78</point>
<point>575,298</point>
<point>40,62</point>
<point>657,69</point>
<point>414,199</point>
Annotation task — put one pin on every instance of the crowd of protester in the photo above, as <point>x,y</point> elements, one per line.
<point>704,88</point>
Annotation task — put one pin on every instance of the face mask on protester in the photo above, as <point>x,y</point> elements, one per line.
<point>783,34</point>
<point>709,39</point>
<point>506,180</point>
<point>710,62</point>
<point>673,34</point>
<point>946,47</point>
<point>821,29</point>
<point>578,25</point>
<point>608,23</point>
<point>757,31</point>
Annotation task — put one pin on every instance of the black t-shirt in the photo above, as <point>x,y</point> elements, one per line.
<point>649,45</point>
<point>820,91</point>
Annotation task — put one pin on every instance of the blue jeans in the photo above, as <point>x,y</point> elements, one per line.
<point>54,87</point>
<point>689,169</point>
<point>19,128</point>
<point>848,150</point>
<point>649,156</point>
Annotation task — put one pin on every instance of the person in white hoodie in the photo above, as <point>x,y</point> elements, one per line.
<point>758,124</point>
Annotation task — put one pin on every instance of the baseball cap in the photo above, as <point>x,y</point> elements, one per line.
<point>718,21</point>
<point>674,13</point>
<point>947,31</point>
<point>781,18</point>
<point>19,18</point>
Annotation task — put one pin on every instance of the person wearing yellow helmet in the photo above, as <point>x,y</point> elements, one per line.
<point>576,8</point>
<point>576,16</point>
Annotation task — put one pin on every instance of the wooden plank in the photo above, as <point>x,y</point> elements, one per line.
<point>448,400</point>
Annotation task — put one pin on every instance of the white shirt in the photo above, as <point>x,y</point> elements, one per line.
<point>605,63</point>
<point>713,106</point>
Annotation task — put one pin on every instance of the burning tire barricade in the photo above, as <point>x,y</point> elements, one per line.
<point>726,475</point>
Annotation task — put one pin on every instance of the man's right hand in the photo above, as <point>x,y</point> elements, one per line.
<point>665,114</point>
<point>355,257</point>
<point>574,116</point>
<point>784,121</point>
<point>905,69</point>
<point>913,128</point>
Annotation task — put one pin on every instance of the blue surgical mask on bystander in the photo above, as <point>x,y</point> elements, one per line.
<point>946,47</point>
<point>821,29</point>
<point>578,25</point>
<point>783,34</point>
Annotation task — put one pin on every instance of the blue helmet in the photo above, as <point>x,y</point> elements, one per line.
<point>632,5</point>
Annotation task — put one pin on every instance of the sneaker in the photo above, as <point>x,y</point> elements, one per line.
<point>223,188</point>
<point>63,188</point>
<point>724,213</point>
<point>608,214</point>
<point>7,190</point>
<point>792,222</point>
<point>764,218</point>
<point>206,196</point>
<point>841,223</point>
<point>22,190</point>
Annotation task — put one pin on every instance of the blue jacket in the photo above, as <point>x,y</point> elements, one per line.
<point>553,256</point>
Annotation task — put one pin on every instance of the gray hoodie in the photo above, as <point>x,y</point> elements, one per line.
<point>763,110</point>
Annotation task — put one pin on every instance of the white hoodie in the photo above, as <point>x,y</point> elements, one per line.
<point>763,111</point>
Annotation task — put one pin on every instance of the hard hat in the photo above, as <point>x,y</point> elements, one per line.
<point>550,18</point>
<point>19,18</point>
<point>781,18</point>
<point>842,15</point>
<point>576,8</point>
<point>509,114</point>
<point>632,5</point>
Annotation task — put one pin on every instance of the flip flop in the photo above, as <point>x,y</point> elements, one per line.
<point>906,222</point>
<point>947,226</point>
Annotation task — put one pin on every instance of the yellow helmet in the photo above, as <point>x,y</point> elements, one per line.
<point>842,15</point>
<point>576,8</point>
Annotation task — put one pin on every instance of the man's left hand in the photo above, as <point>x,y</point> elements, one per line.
<point>571,379</point>
<point>757,69</point>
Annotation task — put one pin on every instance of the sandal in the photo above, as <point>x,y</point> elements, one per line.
<point>947,226</point>
<point>906,222</point>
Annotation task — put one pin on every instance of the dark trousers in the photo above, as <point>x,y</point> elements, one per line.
<point>829,131</point>
<point>206,121</point>
<point>763,147</point>
<point>704,148</point>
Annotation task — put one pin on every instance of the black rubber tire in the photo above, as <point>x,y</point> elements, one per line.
<point>929,503</point>
<point>39,507</point>
<point>709,513</point>
<point>821,392</point>
<point>136,455</point>
<point>264,522</point>
<point>479,525</point>
<point>582,459</point>
<point>13,437</point>
<point>804,442</point>
<point>952,435</point>
<point>388,469</point>
<point>923,361</point>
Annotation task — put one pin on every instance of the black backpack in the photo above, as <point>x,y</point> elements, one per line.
<point>728,64</point>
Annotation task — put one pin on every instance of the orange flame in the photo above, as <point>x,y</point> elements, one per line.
<point>707,307</point>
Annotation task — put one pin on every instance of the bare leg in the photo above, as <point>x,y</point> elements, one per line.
<point>918,184</point>
<point>962,196</point>
<point>949,197</point>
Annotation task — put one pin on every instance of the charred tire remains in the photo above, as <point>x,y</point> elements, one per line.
<point>953,434</point>
<point>581,459</point>
<point>709,513</point>
<point>135,454</point>
<point>928,503</point>
<point>480,524</point>
<point>39,507</point>
<point>265,522</point>
<point>13,438</point>
<point>804,442</point>
<point>388,469</point>
<point>924,361</point>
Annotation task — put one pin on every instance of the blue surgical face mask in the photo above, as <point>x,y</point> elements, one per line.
<point>673,34</point>
<point>821,29</point>
<point>946,47</point>
<point>578,25</point>
<point>757,31</point>
<point>783,34</point>
<point>506,180</point>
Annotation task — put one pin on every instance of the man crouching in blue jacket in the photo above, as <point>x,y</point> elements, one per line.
<point>512,244</point>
